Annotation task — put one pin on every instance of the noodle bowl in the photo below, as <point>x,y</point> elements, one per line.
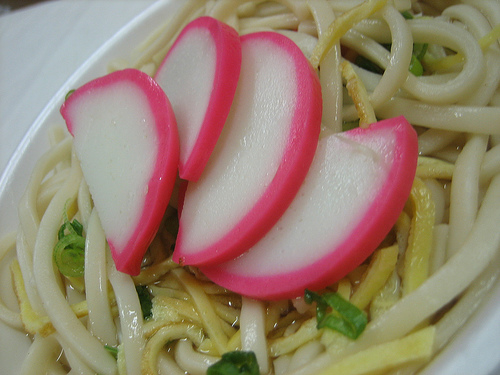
<point>455,111</point>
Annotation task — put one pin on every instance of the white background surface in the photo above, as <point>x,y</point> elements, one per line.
<point>42,45</point>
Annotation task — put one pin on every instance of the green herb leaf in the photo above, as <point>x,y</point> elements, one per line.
<point>145,300</point>
<point>235,363</point>
<point>344,317</point>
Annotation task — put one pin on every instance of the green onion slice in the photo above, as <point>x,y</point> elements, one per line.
<point>344,317</point>
<point>416,67</point>
<point>69,251</point>
<point>69,255</point>
<point>235,363</point>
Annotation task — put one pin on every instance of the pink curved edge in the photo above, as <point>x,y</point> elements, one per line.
<point>298,156</point>
<point>369,233</point>
<point>160,186</point>
<point>228,51</point>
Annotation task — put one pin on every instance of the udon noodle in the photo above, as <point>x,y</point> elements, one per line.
<point>417,289</point>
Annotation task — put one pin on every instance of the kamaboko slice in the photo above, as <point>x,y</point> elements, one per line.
<point>353,194</point>
<point>261,157</point>
<point>125,137</point>
<point>199,75</point>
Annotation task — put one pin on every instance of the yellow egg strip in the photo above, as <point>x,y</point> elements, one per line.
<point>381,266</point>
<point>33,323</point>
<point>383,357</point>
<point>359,95</point>
<point>416,262</point>
<point>287,344</point>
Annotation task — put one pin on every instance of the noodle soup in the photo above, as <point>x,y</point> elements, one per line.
<point>453,104</point>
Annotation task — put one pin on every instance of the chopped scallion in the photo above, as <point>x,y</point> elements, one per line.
<point>69,251</point>
<point>235,363</point>
<point>344,317</point>
<point>416,67</point>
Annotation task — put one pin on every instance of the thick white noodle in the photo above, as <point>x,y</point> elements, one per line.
<point>25,259</point>
<point>28,216</point>
<point>253,332</point>
<point>490,165</point>
<point>193,362</point>
<point>100,322</point>
<point>454,37</point>
<point>329,75</point>
<point>42,352</point>
<point>304,41</point>
<point>305,354</point>
<point>60,313</point>
<point>366,46</point>
<point>476,23</point>
<point>84,203</point>
<point>75,362</point>
<point>464,196</point>
<point>281,364</point>
<point>342,6</point>
<point>168,366</point>
<point>439,197</point>
<point>131,319</point>
<point>29,219</point>
<point>471,119</point>
<point>280,21</point>
<point>396,70</point>
<point>374,28</point>
<point>298,7</point>
<point>433,140</point>
<point>438,254</point>
<point>491,9</point>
